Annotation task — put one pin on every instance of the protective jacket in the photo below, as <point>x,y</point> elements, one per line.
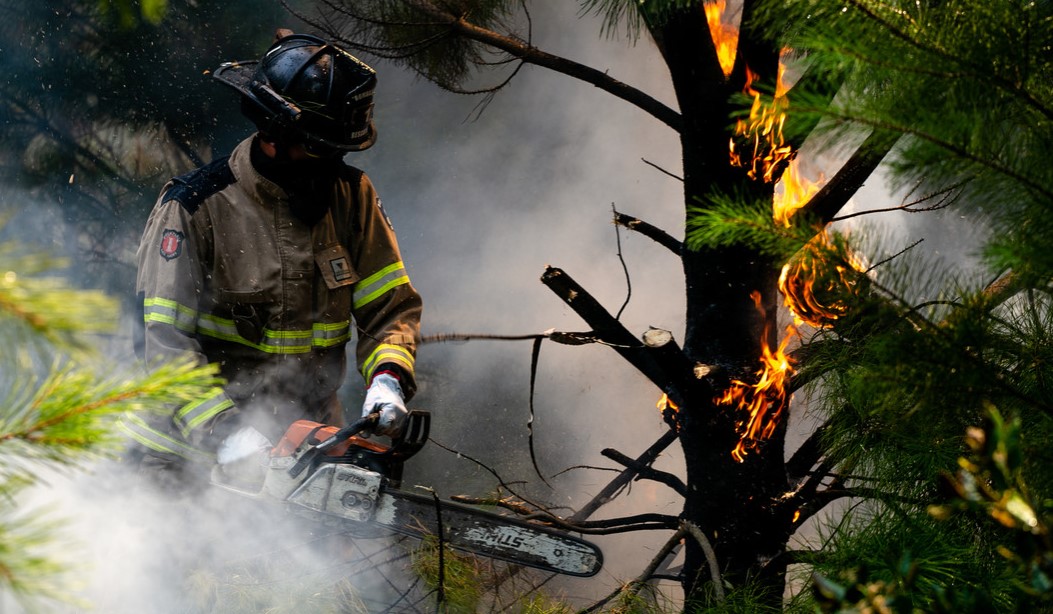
<point>230,272</point>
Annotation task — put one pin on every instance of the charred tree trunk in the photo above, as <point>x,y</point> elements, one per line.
<point>733,503</point>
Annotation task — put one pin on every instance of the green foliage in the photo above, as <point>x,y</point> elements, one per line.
<point>633,16</point>
<point>56,410</point>
<point>727,221</point>
<point>417,35</point>
<point>35,307</point>
<point>919,355</point>
<point>970,88</point>
<point>990,482</point>
<point>150,11</point>
<point>461,578</point>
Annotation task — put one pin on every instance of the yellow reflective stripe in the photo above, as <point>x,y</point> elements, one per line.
<point>379,283</point>
<point>387,353</point>
<point>166,311</point>
<point>320,335</point>
<point>192,415</point>
<point>136,428</point>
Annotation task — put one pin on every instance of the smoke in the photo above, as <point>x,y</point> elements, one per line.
<point>481,207</point>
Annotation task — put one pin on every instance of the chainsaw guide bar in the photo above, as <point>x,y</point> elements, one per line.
<point>353,491</point>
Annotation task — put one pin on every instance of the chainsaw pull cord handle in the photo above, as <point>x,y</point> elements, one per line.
<point>333,440</point>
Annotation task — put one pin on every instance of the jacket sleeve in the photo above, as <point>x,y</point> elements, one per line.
<point>385,305</point>
<point>170,279</point>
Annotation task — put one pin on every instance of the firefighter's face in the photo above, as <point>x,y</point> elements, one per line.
<point>295,152</point>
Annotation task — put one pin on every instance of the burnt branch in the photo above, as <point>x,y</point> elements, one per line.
<point>941,199</point>
<point>829,200</point>
<point>662,170</point>
<point>807,455</point>
<point>500,481</point>
<point>608,492</point>
<point>645,472</point>
<point>656,366</point>
<point>459,25</point>
<point>639,522</point>
<point>651,232</point>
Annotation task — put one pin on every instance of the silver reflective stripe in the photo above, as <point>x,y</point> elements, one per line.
<point>193,415</point>
<point>135,427</point>
<point>329,335</point>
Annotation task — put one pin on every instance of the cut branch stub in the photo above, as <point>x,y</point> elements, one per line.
<point>653,232</point>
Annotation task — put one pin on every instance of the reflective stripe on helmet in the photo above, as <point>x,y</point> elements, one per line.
<point>379,283</point>
<point>196,413</point>
<point>188,320</point>
<point>136,428</point>
<point>387,353</point>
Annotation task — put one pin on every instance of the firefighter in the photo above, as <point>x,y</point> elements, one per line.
<point>270,260</point>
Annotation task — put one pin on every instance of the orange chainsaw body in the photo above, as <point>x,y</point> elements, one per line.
<point>316,432</point>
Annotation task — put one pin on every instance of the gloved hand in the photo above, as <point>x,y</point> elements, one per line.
<point>242,455</point>
<point>384,397</point>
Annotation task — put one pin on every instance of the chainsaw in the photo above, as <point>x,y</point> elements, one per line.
<point>334,476</point>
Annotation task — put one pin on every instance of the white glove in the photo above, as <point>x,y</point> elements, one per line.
<point>384,397</point>
<point>241,444</point>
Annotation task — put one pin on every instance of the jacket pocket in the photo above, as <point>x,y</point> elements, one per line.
<point>334,262</point>
<point>249,309</point>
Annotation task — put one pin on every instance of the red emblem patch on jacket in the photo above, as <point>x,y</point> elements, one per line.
<point>171,244</point>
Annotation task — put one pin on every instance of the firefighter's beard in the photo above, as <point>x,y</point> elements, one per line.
<point>309,182</point>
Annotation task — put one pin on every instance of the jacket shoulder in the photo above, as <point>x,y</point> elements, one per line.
<point>350,174</point>
<point>191,189</point>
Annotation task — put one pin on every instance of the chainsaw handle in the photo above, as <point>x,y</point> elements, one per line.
<point>348,432</point>
<point>335,439</point>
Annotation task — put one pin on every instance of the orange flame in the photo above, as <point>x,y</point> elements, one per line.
<point>769,157</point>
<point>725,36</point>
<point>668,408</point>
<point>815,282</point>
<point>794,193</point>
<point>763,129</point>
<point>764,401</point>
<point>666,403</point>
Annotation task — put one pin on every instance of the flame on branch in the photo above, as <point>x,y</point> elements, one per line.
<point>762,403</point>
<point>792,192</point>
<point>764,150</point>
<point>669,409</point>
<point>816,282</point>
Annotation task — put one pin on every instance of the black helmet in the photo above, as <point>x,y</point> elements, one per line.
<point>305,89</point>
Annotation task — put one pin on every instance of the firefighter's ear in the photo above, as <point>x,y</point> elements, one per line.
<point>281,33</point>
